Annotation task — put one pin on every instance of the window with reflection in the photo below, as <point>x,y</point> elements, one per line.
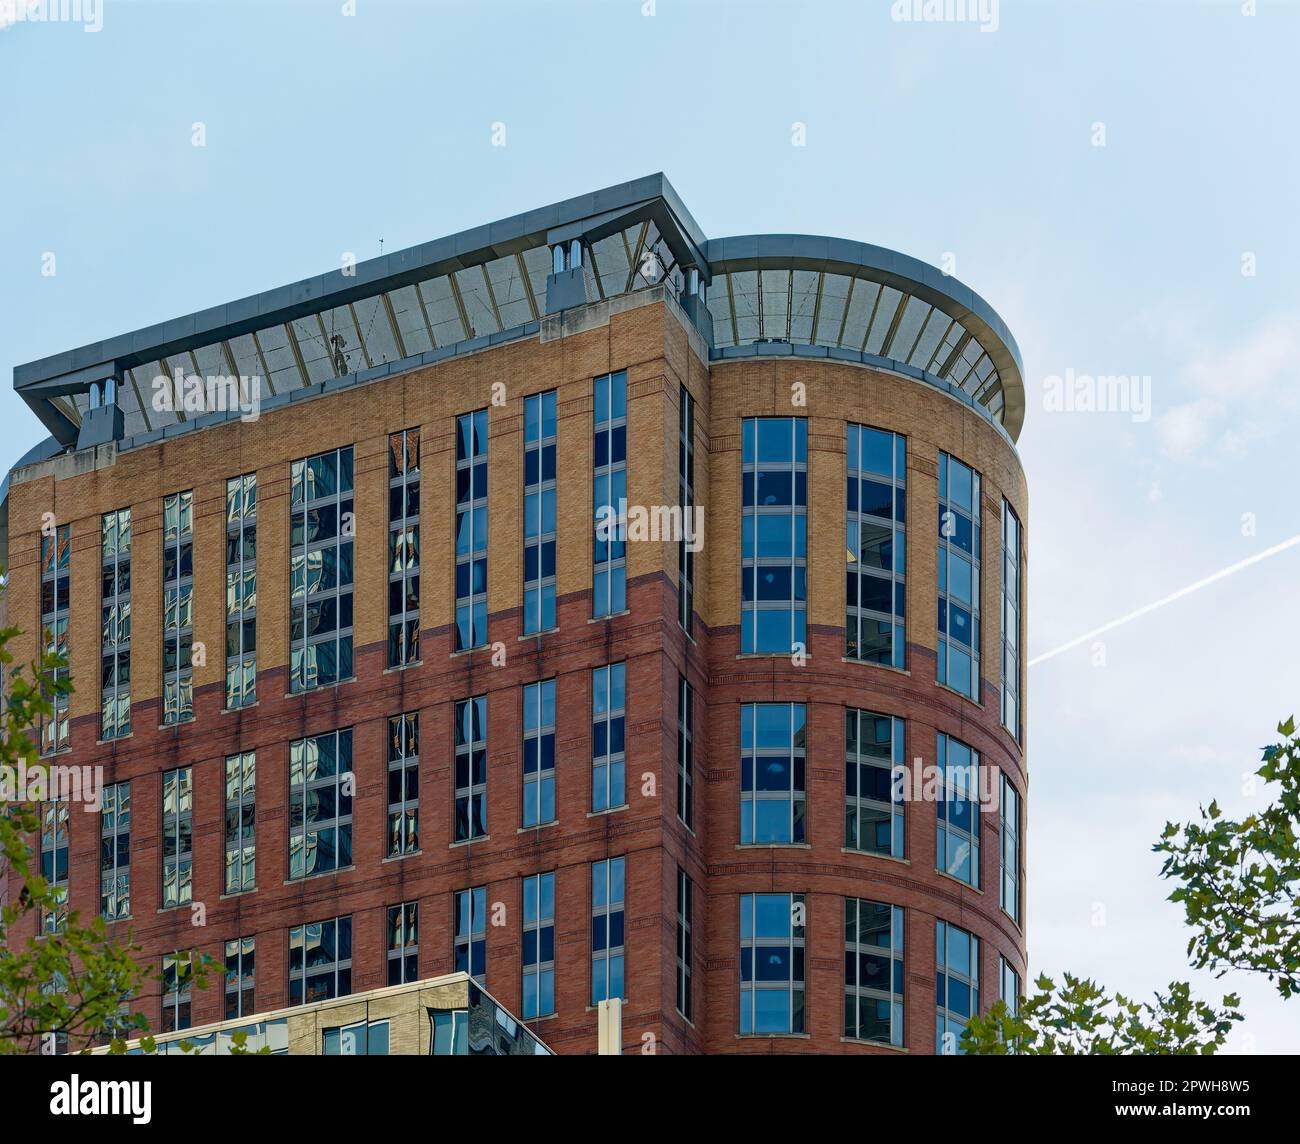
<point>1009,814</point>
<point>471,768</point>
<point>957,982</point>
<point>320,961</point>
<point>539,946</point>
<point>957,840</point>
<point>403,943</point>
<point>115,634</point>
<point>609,548</point>
<point>873,971</point>
<point>471,529</point>
<point>607,924</point>
<point>115,852</point>
<point>178,607</point>
<point>959,576</point>
<point>686,497</point>
<point>774,535</point>
<point>539,753</point>
<point>322,528</point>
<point>241,822</point>
<point>177,980</point>
<point>875,589</point>
<point>771,964</point>
<point>873,805</point>
<point>608,761</point>
<point>241,591</point>
<point>1009,986</point>
<point>240,977</point>
<point>55,558</point>
<point>469,934</point>
<point>772,761</point>
<point>403,547</point>
<point>685,906</point>
<point>54,863</point>
<point>321,784</point>
<point>177,813</point>
<point>685,752</point>
<point>1012,541</point>
<point>404,784</point>
<point>539,512</point>
<point>361,1039</point>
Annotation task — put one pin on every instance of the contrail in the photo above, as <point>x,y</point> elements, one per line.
<point>1219,575</point>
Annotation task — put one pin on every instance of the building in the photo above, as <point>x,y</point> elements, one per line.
<point>351,645</point>
<point>443,1017</point>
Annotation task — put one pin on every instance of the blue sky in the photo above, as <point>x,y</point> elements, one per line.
<point>328,132</point>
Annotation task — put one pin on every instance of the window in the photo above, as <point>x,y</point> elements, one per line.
<point>471,768</point>
<point>1008,986</point>
<point>774,535</point>
<point>321,530</point>
<point>241,591</point>
<point>771,773</point>
<point>959,576</point>
<point>539,753</point>
<point>873,971</point>
<point>470,933</point>
<point>609,548</point>
<point>607,888</point>
<point>957,841</point>
<point>685,752</point>
<point>115,852</point>
<point>320,804</point>
<point>320,961</point>
<point>177,884</point>
<point>608,698</point>
<point>404,784</point>
<point>1009,804</point>
<point>1011,545</point>
<point>448,1029</point>
<point>471,529</point>
<point>241,822</point>
<point>54,863</point>
<point>771,964</point>
<point>403,943</point>
<point>875,591</point>
<point>178,607</point>
<point>239,977</point>
<point>539,946</point>
<point>115,631</point>
<point>55,553</point>
<point>539,512</point>
<point>873,808</point>
<point>177,973</point>
<point>686,495</point>
<point>684,991</point>
<point>403,548</point>
<point>957,980</point>
<point>362,1039</point>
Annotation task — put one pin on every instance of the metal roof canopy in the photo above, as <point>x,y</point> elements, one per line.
<point>57,387</point>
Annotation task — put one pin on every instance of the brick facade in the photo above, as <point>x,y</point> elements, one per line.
<point>655,345</point>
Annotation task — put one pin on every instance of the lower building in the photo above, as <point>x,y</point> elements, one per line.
<point>442,1017</point>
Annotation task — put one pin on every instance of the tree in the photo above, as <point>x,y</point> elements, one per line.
<point>1238,883</point>
<point>1239,879</point>
<point>73,980</point>
<point>1080,1019</point>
